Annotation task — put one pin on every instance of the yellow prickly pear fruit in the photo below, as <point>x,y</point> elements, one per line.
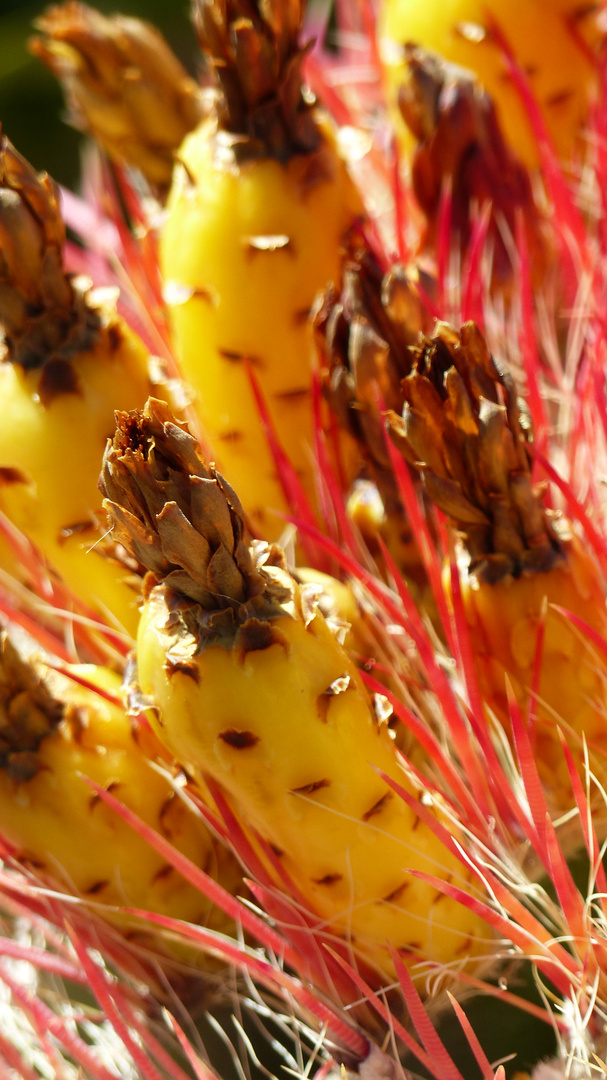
<point>54,732</point>
<point>123,85</point>
<point>555,44</point>
<point>67,360</point>
<point>253,689</point>
<point>257,219</point>
<point>465,430</point>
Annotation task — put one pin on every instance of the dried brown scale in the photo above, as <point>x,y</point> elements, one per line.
<point>123,85</point>
<point>28,712</point>
<point>460,143</point>
<point>255,62</point>
<point>44,315</point>
<point>183,522</point>
<point>464,429</point>
<point>363,335</point>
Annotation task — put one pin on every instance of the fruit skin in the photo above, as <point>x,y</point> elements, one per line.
<point>54,823</point>
<point>561,73</point>
<point>251,688</point>
<point>504,619</point>
<point>243,253</point>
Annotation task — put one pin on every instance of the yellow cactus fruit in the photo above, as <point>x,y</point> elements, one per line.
<point>67,360</point>
<point>53,733</point>
<point>123,85</point>
<point>466,431</point>
<point>253,689</point>
<point>555,44</point>
<point>257,219</point>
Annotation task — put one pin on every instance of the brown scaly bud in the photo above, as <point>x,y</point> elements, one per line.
<point>123,85</point>
<point>43,312</point>
<point>255,57</point>
<point>184,523</point>
<point>363,335</point>
<point>467,433</point>
<point>460,141</point>
<point>28,712</point>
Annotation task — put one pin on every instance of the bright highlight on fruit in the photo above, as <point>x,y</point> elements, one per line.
<point>67,361</point>
<point>253,689</point>
<point>257,220</point>
<point>556,45</point>
<point>123,85</point>
<point>54,732</point>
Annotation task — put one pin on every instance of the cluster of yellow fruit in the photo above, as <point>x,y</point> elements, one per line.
<point>269,276</point>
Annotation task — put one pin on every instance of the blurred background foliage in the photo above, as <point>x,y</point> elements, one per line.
<point>31,103</point>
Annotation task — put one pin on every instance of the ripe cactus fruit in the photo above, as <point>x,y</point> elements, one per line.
<point>465,430</point>
<point>53,733</point>
<point>253,689</point>
<point>257,219</point>
<point>123,85</point>
<point>555,44</point>
<point>67,361</point>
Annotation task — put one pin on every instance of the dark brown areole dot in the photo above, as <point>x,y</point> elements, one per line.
<point>239,740</point>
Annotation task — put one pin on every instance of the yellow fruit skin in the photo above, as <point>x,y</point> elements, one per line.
<point>562,76</point>
<point>504,620</point>
<point>297,763</point>
<point>57,449</point>
<point>57,824</point>
<point>228,299</point>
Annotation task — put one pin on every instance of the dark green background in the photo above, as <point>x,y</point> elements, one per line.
<point>31,104</point>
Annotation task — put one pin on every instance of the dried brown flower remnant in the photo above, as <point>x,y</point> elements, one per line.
<point>467,433</point>
<point>43,312</point>
<point>28,712</point>
<point>255,57</point>
<point>460,143</point>
<point>123,85</point>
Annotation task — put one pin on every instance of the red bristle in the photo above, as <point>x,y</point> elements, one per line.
<point>201,1070</point>
<point>44,637</point>
<point>197,877</point>
<point>481,1057</point>
<point>46,1022</point>
<point>528,337</point>
<point>266,973</point>
<point>42,960</point>
<point>435,752</point>
<point>536,673</point>
<point>75,677</point>
<point>529,775</point>
<point>444,246</point>
<point>571,224</point>
<point>15,1062</point>
<point>99,985</point>
<point>526,933</point>
<point>586,822</point>
<point>472,306</point>
<point>421,532</point>
<point>472,766</point>
<point>389,1018</point>
<point>537,1011</point>
<point>401,216</point>
<point>571,902</point>
<point>422,1023</point>
<point>315,964</point>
